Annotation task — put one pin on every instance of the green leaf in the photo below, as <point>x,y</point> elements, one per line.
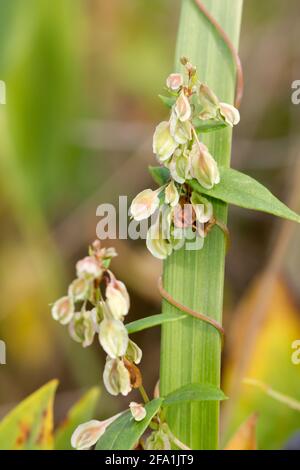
<point>169,101</point>
<point>29,426</point>
<point>194,392</point>
<point>208,126</point>
<point>160,174</point>
<point>153,320</point>
<point>242,190</point>
<point>125,432</point>
<point>81,412</point>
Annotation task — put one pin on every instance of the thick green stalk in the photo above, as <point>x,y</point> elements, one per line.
<point>191,349</point>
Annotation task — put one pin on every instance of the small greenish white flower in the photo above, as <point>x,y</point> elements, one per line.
<point>160,439</point>
<point>144,204</point>
<point>134,353</point>
<point>164,143</point>
<point>138,411</point>
<point>63,310</point>
<point>171,194</point>
<point>213,109</point>
<point>156,241</point>
<point>82,328</point>
<point>117,298</point>
<point>179,167</point>
<point>116,377</point>
<point>230,114</point>
<point>183,107</point>
<point>113,337</point>
<point>174,81</point>
<point>209,102</point>
<point>181,131</point>
<point>202,207</point>
<point>89,267</point>
<point>203,166</point>
<point>79,289</point>
<point>87,434</point>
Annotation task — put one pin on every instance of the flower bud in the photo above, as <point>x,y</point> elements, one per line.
<point>116,377</point>
<point>203,166</point>
<point>164,144</point>
<point>183,107</point>
<point>63,310</point>
<point>87,434</point>
<point>134,353</point>
<point>113,337</point>
<point>174,81</point>
<point>89,267</point>
<point>117,298</point>
<point>230,114</point>
<point>144,204</point>
<point>79,289</point>
<point>137,410</point>
<point>202,207</point>
<point>171,194</point>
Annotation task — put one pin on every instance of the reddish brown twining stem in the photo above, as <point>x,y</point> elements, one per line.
<point>165,295</point>
<point>239,69</point>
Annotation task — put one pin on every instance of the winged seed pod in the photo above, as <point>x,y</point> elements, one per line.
<point>113,337</point>
<point>87,434</point>
<point>63,310</point>
<point>144,204</point>
<point>134,353</point>
<point>164,143</point>
<point>117,298</point>
<point>138,411</point>
<point>116,377</point>
<point>203,166</point>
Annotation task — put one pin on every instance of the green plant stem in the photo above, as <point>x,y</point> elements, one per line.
<point>191,349</point>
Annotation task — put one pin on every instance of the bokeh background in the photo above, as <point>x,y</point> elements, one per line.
<point>82,80</point>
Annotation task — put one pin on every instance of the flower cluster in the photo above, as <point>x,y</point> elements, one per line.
<point>88,313</point>
<point>183,213</point>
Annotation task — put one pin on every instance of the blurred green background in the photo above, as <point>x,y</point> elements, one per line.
<point>82,79</point>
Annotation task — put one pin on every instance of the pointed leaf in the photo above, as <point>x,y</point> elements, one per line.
<point>29,426</point>
<point>160,174</point>
<point>194,392</point>
<point>153,320</point>
<point>208,126</point>
<point>168,100</point>
<point>81,412</point>
<point>125,432</point>
<point>242,190</point>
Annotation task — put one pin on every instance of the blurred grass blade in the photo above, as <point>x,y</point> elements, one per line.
<point>29,426</point>
<point>280,397</point>
<point>191,349</point>
<point>81,412</point>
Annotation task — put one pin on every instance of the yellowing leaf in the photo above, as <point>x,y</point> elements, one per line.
<point>81,412</point>
<point>245,437</point>
<point>29,426</point>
